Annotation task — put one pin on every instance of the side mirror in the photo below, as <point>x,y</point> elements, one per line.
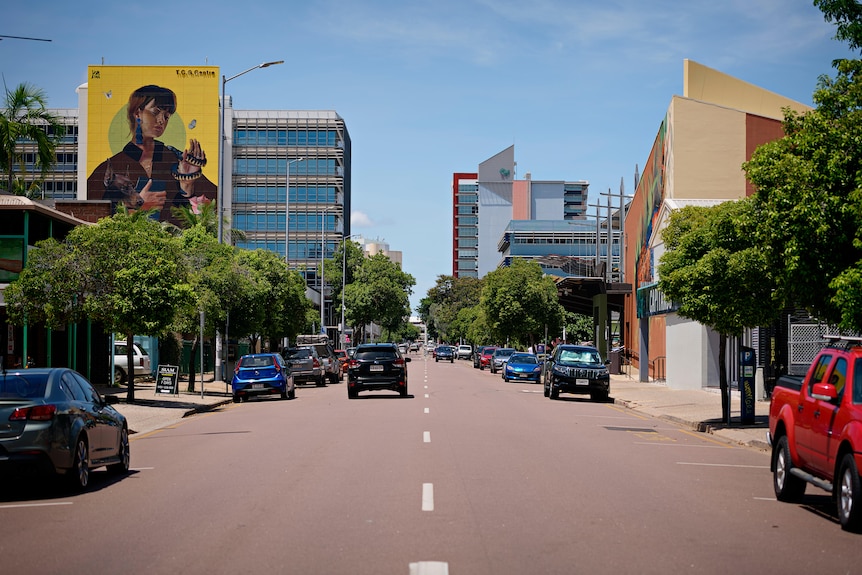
<point>111,399</point>
<point>824,392</point>
<point>407,359</point>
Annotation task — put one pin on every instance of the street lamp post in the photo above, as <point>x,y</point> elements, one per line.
<point>343,283</point>
<point>322,257</point>
<point>287,208</point>
<point>221,166</point>
<point>221,185</point>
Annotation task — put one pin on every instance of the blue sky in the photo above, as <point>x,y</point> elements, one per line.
<point>432,87</point>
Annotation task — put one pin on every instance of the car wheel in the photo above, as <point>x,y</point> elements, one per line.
<point>79,474</point>
<point>436,360</point>
<point>599,396</point>
<point>236,398</point>
<point>547,392</point>
<point>554,393</point>
<point>291,394</point>
<point>321,381</point>
<point>351,394</point>
<point>452,360</point>
<point>404,391</point>
<point>284,393</point>
<point>787,486</point>
<point>849,492</point>
<point>119,375</point>
<point>123,453</point>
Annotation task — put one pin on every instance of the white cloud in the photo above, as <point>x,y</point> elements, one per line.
<point>360,220</point>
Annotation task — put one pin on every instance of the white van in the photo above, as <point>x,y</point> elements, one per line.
<point>140,358</point>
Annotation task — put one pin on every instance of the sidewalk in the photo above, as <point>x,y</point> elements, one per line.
<point>152,411</point>
<point>699,410</point>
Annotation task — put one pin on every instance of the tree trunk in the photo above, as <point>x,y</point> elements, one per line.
<point>194,355</point>
<point>722,377</point>
<point>130,367</point>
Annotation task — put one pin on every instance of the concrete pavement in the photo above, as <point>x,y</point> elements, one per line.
<point>698,409</point>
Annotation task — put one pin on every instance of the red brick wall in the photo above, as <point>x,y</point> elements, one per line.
<point>87,210</point>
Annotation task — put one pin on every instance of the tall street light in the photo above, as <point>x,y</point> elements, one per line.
<point>322,257</point>
<point>221,194</point>
<point>287,207</point>
<point>221,165</point>
<point>343,282</point>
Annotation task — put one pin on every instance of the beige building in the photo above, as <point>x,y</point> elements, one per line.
<point>696,158</point>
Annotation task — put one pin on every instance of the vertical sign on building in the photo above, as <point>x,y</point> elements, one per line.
<point>153,137</point>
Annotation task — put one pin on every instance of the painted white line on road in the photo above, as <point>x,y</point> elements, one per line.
<point>531,391</point>
<point>141,468</point>
<point>427,410</point>
<point>36,505</point>
<point>427,396</point>
<point>429,568</point>
<point>426,436</point>
<point>675,444</point>
<point>427,497</point>
<point>723,465</point>
<point>426,387</point>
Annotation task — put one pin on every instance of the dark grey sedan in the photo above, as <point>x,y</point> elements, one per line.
<point>52,419</point>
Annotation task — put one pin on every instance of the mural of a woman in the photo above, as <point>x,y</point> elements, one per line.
<point>149,174</point>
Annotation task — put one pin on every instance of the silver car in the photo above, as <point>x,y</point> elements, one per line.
<point>500,357</point>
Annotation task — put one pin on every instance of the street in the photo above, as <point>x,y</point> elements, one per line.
<point>469,475</point>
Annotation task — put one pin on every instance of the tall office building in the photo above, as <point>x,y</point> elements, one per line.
<point>304,154</point>
<point>487,203</point>
<point>465,223</point>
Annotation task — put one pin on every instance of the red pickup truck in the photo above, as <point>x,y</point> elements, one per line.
<point>815,429</point>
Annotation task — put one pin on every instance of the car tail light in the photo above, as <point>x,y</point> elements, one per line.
<point>316,363</point>
<point>399,362</point>
<point>353,363</point>
<point>34,413</point>
<point>236,369</point>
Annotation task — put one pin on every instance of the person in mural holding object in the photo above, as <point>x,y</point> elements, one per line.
<point>149,174</point>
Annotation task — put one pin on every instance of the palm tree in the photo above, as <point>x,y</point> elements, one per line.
<point>25,118</point>
<point>205,216</point>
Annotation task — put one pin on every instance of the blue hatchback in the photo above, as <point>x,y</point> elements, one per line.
<point>522,367</point>
<point>262,374</point>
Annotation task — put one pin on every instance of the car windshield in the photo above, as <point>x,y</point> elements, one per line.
<point>23,386</point>
<point>256,361</point>
<point>523,358</point>
<point>580,356</point>
<point>298,353</point>
<point>504,352</point>
<point>374,353</point>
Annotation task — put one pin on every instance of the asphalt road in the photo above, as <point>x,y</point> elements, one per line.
<point>470,475</point>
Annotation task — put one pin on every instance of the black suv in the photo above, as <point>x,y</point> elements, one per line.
<point>377,366</point>
<point>577,369</point>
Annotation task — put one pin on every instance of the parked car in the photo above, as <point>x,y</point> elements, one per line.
<point>325,354</point>
<point>402,347</point>
<point>445,353</point>
<point>500,357</point>
<point>377,366</point>
<point>54,420</point>
<point>305,365</point>
<point>140,359</point>
<point>523,367</point>
<point>577,369</point>
<point>814,427</point>
<point>487,354</point>
<point>262,374</point>
<point>341,354</point>
<point>477,355</point>
<point>464,351</point>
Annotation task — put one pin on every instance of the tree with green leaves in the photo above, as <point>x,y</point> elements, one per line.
<point>717,273</point>
<point>380,294</point>
<point>445,301</point>
<point>809,203</point>
<point>520,302</point>
<point>334,269</point>
<point>25,117</point>
<point>124,272</point>
<point>216,282</point>
<point>276,305</point>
